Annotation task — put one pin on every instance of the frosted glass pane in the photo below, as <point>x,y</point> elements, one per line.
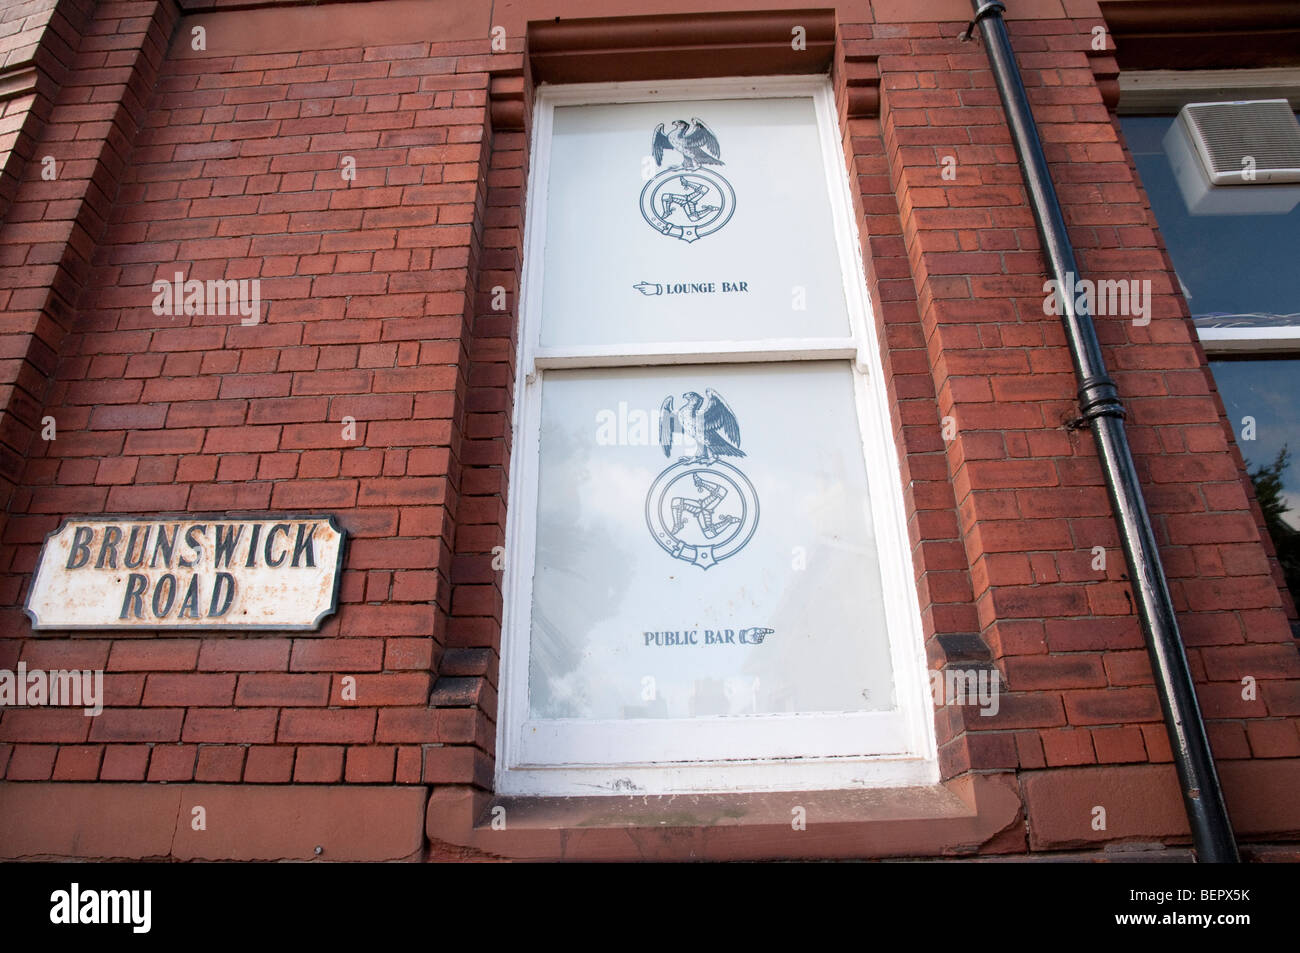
<point>687,249</point>
<point>706,582</point>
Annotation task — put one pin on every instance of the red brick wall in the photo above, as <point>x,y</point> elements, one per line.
<point>35,47</point>
<point>368,294</point>
<point>38,43</point>
<point>1028,490</point>
<point>378,304</point>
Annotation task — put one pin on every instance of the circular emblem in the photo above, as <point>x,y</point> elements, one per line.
<point>702,513</point>
<point>688,204</point>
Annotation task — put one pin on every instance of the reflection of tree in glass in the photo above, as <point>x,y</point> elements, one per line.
<point>1268,480</point>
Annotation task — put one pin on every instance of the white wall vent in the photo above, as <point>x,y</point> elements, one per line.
<point>1236,158</point>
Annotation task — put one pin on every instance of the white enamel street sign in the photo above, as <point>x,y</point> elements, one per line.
<point>278,572</point>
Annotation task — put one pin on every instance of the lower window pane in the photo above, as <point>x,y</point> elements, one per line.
<point>1260,396</point>
<point>737,575</point>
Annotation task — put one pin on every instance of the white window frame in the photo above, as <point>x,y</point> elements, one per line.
<point>1257,342</point>
<point>857,749</point>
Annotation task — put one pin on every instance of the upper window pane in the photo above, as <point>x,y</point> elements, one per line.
<point>1234,269</point>
<point>716,228</point>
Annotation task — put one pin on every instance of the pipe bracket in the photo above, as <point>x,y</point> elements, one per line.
<point>1083,421</point>
<point>1098,397</point>
<point>985,9</point>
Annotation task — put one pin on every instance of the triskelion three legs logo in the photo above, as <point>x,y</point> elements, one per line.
<point>701,509</point>
<point>686,200</point>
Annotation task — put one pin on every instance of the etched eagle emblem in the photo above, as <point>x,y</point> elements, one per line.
<point>706,421</point>
<point>693,141</point>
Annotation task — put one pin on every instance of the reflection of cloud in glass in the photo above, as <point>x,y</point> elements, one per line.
<point>1292,516</point>
<point>841,557</point>
<point>558,641</point>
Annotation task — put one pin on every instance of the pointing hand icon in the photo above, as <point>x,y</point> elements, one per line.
<point>648,288</point>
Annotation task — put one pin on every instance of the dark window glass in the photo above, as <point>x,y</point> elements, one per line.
<point>1227,264</point>
<point>1239,271</point>
<point>1261,396</point>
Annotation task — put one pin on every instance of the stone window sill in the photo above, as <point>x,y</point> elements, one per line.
<point>974,813</point>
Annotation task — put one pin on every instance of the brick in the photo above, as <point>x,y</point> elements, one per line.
<point>1027,673</point>
<point>283,690</point>
<point>1074,635</point>
<point>450,764</point>
<point>1261,661</point>
<point>371,765</point>
<point>409,725</point>
<point>1023,710</point>
<point>458,725</point>
<point>78,763</point>
<point>1273,738</point>
<point>352,655</point>
<point>125,762</point>
<point>1114,706</point>
<point>220,763</point>
<point>416,654</point>
<point>154,655</point>
<point>340,726</point>
<point>244,655</point>
<point>318,765</point>
<point>230,725</point>
<point>409,765</point>
<point>268,765</point>
<point>1281,698</point>
<point>288,410</point>
<point>31,763</point>
<point>1156,740</point>
<point>126,724</point>
<point>1067,746</point>
<point>173,763</point>
<point>314,494</point>
<point>1118,745</point>
<point>65,654</point>
<point>409,688</point>
<point>189,690</point>
<point>1223,700</point>
<point>388,620</point>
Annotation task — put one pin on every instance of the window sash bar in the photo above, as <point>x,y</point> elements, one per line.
<point>700,352</point>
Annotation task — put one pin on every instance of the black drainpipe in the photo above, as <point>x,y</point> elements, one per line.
<point>1100,406</point>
